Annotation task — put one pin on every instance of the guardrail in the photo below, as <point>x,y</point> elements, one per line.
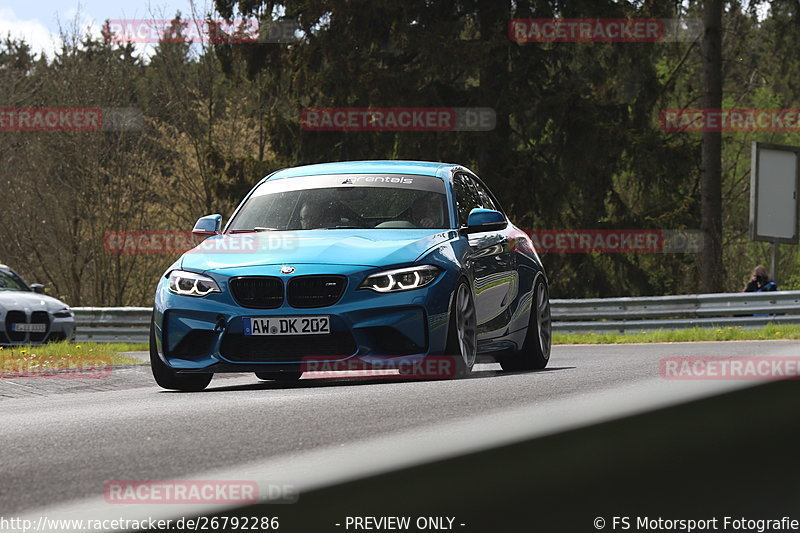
<point>650,313</point>
<point>112,324</point>
<point>598,315</point>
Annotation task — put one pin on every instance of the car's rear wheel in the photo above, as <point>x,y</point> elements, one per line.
<point>167,378</point>
<point>535,352</point>
<point>462,342</point>
<point>279,376</point>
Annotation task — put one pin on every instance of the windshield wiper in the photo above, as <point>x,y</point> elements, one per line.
<point>254,230</point>
<point>341,227</point>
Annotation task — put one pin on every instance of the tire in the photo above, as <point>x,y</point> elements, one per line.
<point>167,378</point>
<point>279,376</point>
<point>535,352</point>
<point>462,334</point>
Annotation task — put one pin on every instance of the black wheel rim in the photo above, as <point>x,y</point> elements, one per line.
<point>466,326</point>
<point>543,321</point>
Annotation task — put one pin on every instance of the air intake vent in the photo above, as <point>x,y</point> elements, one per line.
<point>287,348</point>
<point>258,292</point>
<point>315,291</point>
<point>15,317</point>
<point>40,317</point>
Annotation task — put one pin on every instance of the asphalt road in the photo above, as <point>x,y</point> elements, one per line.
<point>65,445</point>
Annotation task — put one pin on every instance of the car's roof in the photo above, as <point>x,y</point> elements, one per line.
<point>418,168</point>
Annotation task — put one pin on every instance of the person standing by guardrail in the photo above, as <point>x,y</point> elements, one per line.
<point>760,281</point>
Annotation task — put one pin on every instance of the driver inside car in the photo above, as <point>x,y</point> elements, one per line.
<point>426,212</point>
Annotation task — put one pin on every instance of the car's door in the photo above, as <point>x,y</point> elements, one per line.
<point>491,261</point>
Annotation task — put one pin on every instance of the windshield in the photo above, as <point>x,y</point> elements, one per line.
<point>11,282</point>
<point>345,201</point>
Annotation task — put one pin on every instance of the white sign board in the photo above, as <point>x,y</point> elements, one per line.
<point>774,186</point>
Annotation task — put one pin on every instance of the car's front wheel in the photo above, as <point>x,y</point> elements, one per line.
<point>167,378</point>
<point>462,342</point>
<point>535,352</point>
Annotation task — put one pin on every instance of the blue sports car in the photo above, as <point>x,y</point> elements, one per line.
<point>369,264</point>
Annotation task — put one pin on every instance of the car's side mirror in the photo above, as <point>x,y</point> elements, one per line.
<point>208,226</point>
<point>480,219</point>
<point>37,288</point>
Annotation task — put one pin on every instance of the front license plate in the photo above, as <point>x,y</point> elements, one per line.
<point>287,325</point>
<point>29,328</point>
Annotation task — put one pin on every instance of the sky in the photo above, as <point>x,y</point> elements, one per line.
<point>38,21</point>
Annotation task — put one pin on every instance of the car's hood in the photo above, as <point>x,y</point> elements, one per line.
<point>339,246</point>
<point>30,300</point>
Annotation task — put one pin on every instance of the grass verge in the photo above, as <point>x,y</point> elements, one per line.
<point>769,332</point>
<point>61,355</point>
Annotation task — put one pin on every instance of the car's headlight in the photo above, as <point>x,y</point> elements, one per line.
<point>191,284</point>
<point>63,313</point>
<point>401,279</point>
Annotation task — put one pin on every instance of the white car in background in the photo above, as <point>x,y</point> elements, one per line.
<point>28,316</point>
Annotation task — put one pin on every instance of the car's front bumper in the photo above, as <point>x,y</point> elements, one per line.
<point>367,328</point>
<point>57,328</point>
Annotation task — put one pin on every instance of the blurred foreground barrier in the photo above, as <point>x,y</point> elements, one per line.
<point>598,315</point>
<point>695,459</point>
